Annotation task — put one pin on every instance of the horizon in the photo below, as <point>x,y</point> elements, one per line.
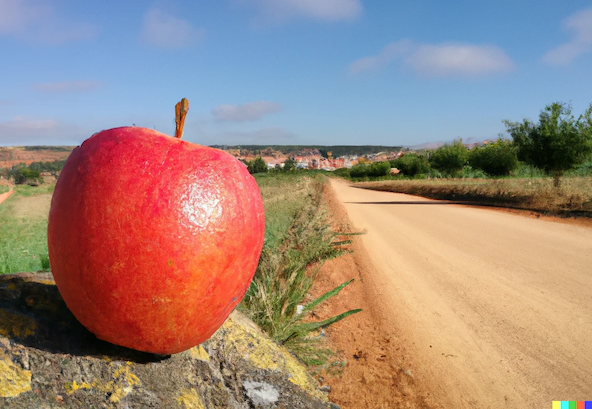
<point>289,72</point>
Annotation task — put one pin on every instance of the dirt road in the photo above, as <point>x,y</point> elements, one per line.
<point>496,308</point>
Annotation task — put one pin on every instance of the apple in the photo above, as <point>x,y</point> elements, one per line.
<point>153,240</point>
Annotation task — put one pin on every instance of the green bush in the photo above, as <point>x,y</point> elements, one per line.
<point>411,164</point>
<point>26,175</point>
<point>257,165</point>
<point>450,158</point>
<point>373,170</point>
<point>557,143</point>
<point>342,172</point>
<point>359,171</point>
<point>469,172</point>
<point>496,159</point>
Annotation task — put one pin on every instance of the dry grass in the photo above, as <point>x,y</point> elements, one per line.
<point>573,198</point>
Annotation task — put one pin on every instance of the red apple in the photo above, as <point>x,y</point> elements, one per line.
<point>153,240</point>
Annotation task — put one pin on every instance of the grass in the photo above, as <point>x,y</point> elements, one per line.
<point>4,189</point>
<point>298,239</point>
<point>23,241</point>
<point>573,198</point>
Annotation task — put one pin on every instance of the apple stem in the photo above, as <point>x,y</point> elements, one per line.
<point>180,112</point>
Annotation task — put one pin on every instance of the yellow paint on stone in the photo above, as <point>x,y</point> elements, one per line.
<point>189,399</point>
<point>200,353</point>
<point>16,325</point>
<point>13,379</point>
<point>122,386</point>
<point>266,354</point>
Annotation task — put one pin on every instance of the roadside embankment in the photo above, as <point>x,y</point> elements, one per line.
<point>573,198</point>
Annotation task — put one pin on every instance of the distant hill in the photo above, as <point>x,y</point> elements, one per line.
<point>14,155</point>
<point>337,150</point>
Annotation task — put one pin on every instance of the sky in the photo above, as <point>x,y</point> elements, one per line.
<point>289,72</point>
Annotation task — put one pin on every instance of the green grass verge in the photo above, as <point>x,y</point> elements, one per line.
<point>23,241</point>
<point>298,240</point>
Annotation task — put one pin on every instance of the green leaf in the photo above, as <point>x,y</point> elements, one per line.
<point>326,296</point>
<point>303,329</point>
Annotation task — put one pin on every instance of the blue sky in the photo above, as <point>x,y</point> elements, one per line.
<point>334,72</point>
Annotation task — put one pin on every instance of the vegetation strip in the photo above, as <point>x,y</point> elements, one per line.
<point>298,240</point>
<point>573,199</point>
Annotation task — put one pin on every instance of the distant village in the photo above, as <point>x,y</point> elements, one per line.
<point>312,158</point>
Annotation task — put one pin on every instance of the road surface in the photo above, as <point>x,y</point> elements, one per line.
<point>496,307</point>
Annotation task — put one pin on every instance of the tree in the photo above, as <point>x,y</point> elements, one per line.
<point>257,165</point>
<point>496,159</point>
<point>450,158</point>
<point>411,164</point>
<point>289,165</point>
<point>557,143</point>
<point>26,175</point>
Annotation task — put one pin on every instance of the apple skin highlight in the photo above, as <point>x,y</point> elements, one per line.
<point>153,240</point>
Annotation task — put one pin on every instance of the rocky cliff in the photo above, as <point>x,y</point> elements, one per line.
<point>49,360</point>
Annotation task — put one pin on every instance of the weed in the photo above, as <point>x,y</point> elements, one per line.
<point>288,267</point>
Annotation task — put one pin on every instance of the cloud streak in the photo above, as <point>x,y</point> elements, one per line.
<point>277,12</point>
<point>579,25</point>
<point>67,87</point>
<point>38,22</point>
<point>442,60</point>
<point>246,112</point>
<point>163,30</point>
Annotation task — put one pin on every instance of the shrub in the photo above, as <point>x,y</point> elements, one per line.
<point>26,175</point>
<point>257,165</point>
<point>495,159</point>
<point>411,164</point>
<point>342,172</point>
<point>450,158</point>
<point>374,170</point>
<point>378,169</point>
<point>359,171</point>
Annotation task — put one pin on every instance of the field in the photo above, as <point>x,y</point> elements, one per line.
<point>23,229</point>
<point>538,194</point>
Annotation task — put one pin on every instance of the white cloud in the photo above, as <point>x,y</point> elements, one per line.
<point>280,11</point>
<point>580,25</point>
<point>442,60</point>
<point>36,21</point>
<point>166,31</point>
<point>27,131</point>
<point>67,87</point>
<point>459,59</point>
<point>246,112</point>
<point>382,59</point>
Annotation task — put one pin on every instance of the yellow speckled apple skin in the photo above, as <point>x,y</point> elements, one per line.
<point>153,240</point>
